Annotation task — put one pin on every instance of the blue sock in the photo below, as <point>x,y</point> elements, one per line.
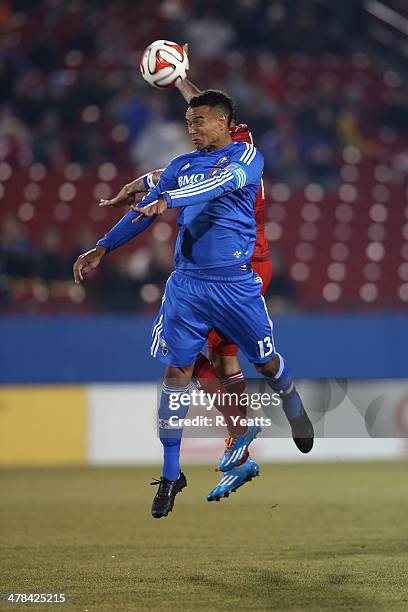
<point>170,410</point>
<point>283,384</point>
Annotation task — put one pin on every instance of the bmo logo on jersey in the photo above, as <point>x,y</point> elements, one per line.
<point>190,180</point>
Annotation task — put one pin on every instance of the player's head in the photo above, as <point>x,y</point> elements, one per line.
<point>208,117</point>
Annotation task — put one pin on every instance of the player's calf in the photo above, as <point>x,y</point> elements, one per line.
<point>279,378</point>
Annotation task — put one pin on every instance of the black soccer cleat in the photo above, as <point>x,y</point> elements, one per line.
<point>302,431</point>
<point>163,501</point>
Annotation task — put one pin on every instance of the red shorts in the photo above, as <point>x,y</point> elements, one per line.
<point>223,346</point>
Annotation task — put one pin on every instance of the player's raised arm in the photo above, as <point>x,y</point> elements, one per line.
<point>188,90</point>
<point>141,185</point>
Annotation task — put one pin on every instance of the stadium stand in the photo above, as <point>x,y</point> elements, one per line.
<point>77,122</point>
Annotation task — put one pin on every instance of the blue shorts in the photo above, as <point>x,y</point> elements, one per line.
<point>192,306</point>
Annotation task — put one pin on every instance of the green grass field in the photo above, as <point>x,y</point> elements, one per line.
<point>301,537</point>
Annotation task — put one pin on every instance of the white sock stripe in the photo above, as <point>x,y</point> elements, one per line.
<point>232,378</point>
<point>190,384</point>
<point>179,390</point>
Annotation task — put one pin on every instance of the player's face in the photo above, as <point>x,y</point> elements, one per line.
<point>206,126</point>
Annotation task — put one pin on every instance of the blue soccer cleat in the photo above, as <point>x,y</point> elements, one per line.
<point>235,478</point>
<point>236,449</point>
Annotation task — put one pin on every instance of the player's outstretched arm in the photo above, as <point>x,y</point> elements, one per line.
<point>125,230</point>
<point>127,194</point>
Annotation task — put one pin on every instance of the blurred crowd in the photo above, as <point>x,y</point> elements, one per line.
<point>71,92</point>
<point>37,280</point>
<point>70,88</point>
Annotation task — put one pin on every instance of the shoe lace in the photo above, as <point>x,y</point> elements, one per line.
<point>163,484</point>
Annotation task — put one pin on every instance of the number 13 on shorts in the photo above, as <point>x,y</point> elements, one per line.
<point>266,347</point>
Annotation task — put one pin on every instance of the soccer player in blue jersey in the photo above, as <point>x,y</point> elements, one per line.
<point>213,285</point>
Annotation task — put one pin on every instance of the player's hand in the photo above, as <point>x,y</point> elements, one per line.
<point>137,198</point>
<point>155,208</point>
<point>87,261</point>
<point>179,83</point>
<point>125,196</point>
<point>185,47</point>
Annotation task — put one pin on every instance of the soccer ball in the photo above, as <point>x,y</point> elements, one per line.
<point>163,64</point>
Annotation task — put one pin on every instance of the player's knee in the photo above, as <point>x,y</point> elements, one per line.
<point>269,368</point>
<point>224,365</point>
<point>178,376</point>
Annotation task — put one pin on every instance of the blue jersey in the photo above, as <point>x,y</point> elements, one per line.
<point>215,192</point>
